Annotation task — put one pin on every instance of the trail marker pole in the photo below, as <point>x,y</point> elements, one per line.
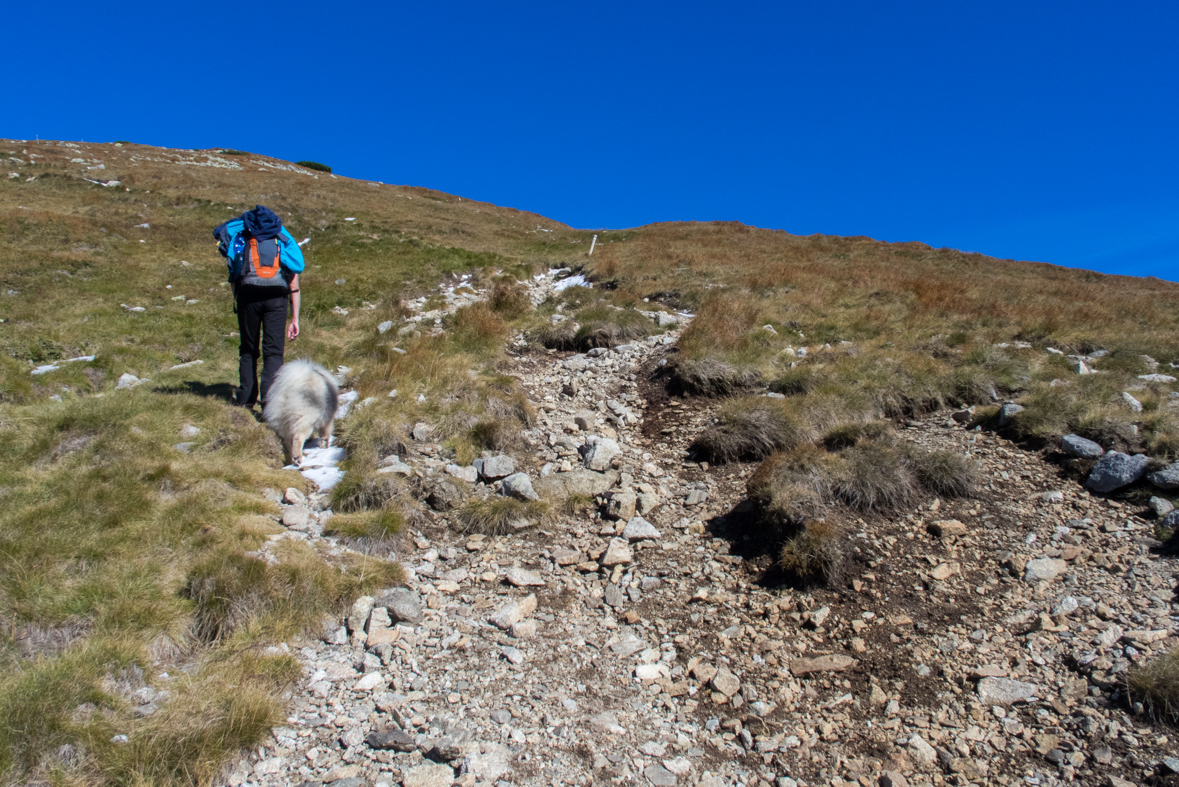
<point>592,243</point>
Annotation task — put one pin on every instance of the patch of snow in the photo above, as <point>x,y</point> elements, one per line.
<point>572,281</point>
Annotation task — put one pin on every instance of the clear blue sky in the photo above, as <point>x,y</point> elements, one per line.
<point>1031,130</point>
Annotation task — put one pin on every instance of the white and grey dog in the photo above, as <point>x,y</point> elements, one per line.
<point>302,401</point>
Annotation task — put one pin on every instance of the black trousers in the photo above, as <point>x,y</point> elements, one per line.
<point>262,321</point>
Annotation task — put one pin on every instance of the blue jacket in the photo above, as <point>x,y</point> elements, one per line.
<point>291,256</point>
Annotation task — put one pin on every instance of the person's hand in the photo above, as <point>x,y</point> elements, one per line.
<point>293,330</point>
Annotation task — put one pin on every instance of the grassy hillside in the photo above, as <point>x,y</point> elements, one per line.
<point>122,556</point>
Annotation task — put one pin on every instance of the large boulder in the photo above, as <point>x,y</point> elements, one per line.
<point>1116,470</point>
<point>1075,445</point>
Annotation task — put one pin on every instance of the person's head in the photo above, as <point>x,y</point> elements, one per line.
<point>262,222</point>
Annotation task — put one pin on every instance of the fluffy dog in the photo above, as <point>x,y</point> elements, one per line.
<point>302,401</point>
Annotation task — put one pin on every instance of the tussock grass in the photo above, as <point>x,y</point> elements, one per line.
<point>868,471</point>
<point>577,504</point>
<point>508,298</point>
<point>815,554</point>
<point>501,515</point>
<point>711,377</point>
<point>374,526</point>
<point>606,326</point>
<point>748,429</point>
<point>1156,686</point>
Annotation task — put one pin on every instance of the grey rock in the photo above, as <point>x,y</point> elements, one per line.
<point>1005,691</point>
<point>598,352</point>
<point>422,432</point>
<point>617,553</point>
<point>586,420</point>
<point>647,502</point>
<point>659,776</point>
<point>361,608</point>
<point>390,738</point>
<point>468,474</point>
<point>183,448</point>
<point>1167,478</point>
<point>615,597</point>
<point>1075,445</point>
<point>428,776</point>
<point>385,326</point>
<point>403,605</point>
<point>1066,606</point>
<point>1157,378</point>
<point>493,761</point>
<point>639,529</point>
<point>1116,470</point>
<point>1133,403</point>
<point>520,485</point>
<point>1161,506</point>
<point>577,482</point>
<point>513,612</point>
<point>925,754</point>
<point>393,464</point>
<point>1044,569</point>
<point>601,453</point>
<point>577,363</point>
<point>1170,521</point>
<point>297,518</point>
<point>665,320</point>
<point>513,655</point>
<point>501,716</point>
<point>450,746</point>
<point>1007,412</point>
<point>622,505</point>
<point>493,468</point>
<point>522,578</point>
<point>444,496</point>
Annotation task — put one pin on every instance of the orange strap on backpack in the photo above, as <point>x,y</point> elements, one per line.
<point>260,270</point>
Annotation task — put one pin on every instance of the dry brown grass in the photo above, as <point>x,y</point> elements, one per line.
<point>815,554</point>
<point>1156,685</point>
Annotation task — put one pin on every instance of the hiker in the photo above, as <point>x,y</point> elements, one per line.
<point>264,265</point>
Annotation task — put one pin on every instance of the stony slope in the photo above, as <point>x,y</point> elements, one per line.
<point>978,641</point>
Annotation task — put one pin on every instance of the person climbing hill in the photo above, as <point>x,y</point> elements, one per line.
<point>264,266</point>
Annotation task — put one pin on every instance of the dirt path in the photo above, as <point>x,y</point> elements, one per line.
<point>651,642</point>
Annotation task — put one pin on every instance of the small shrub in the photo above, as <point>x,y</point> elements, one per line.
<point>816,553</point>
<point>749,429</point>
<point>315,165</point>
<point>1156,686</point>
<point>711,377</point>
<point>501,515</point>
<point>230,152</point>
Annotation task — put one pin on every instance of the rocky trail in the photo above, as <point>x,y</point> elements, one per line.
<point>647,638</point>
